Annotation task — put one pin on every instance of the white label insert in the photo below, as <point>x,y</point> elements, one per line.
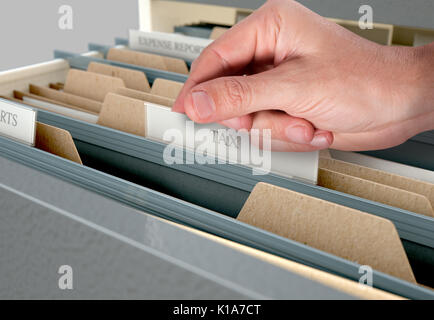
<point>229,147</point>
<point>17,122</point>
<point>168,44</point>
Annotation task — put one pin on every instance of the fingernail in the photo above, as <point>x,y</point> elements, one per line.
<point>320,141</point>
<point>297,134</point>
<point>233,123</point>
<point>203,104</point>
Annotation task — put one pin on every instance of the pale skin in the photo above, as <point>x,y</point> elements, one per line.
<point>313,83</point>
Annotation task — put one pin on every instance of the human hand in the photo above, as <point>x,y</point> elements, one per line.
<point>313,83</point>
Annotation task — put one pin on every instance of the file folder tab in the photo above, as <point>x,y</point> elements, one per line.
<point>56,141</point>
<point>338,230</point>
<point>124,114</point>
<point>91,85</point>
<point>17,122</point>
<point>173,45</point>
<point>133,79</point>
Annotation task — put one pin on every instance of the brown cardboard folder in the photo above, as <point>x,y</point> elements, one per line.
<point>56,141</point>
<point>344,232</point>
<point>91,85</point>
<point>121,108</point>
<point>66,98</point>
<point>147,60</point>
<point>133,79</point>
<point>405,193</point>
<point>166,88</point>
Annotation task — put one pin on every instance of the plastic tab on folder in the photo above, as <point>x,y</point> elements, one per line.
<point>17,122</point>
<point>169,44</point>
<point>228,145</point>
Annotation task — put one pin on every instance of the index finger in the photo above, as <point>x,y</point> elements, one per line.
<point>227,55</point>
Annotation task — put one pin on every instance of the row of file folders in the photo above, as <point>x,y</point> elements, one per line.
<point>99,125</point>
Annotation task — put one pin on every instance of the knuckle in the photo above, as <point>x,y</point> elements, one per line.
<point>237,93</point>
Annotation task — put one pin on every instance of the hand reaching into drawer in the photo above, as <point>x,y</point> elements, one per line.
<point>313,83</point>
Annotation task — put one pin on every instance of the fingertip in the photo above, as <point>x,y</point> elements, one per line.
<point>188,108</point>
<point>300,132</point>
<point>191,107</point>
<point>322,139</point>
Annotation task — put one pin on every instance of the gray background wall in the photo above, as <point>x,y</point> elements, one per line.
<point>29,29</point>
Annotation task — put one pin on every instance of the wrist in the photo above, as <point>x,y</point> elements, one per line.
<point>424,65</point>
<point>420,98</point>
<point>411,83</point>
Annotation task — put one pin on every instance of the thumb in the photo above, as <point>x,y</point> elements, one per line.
<point>230,97</point>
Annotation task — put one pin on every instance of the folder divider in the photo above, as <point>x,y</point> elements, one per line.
<point>142,59</point>
<point>148,60</point>
<point>385,165</point>
<point>342,231</point>
<point>166,88</point>
<point>56,141</point>
<point>118,111</point>
<point>411,185</point>
<point>91,85</point>
<point>179,211</point>
<point>176,65</point>
<point>53,140</point>
<point>81,62</point>
<point>124,114</point>
<point>70,109</point>
<point>123,110</point>
<point>68,99</point>
<point>104,49</point>
<point>133,79</point>
<point>375,191</point>
<point>145,97</point>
